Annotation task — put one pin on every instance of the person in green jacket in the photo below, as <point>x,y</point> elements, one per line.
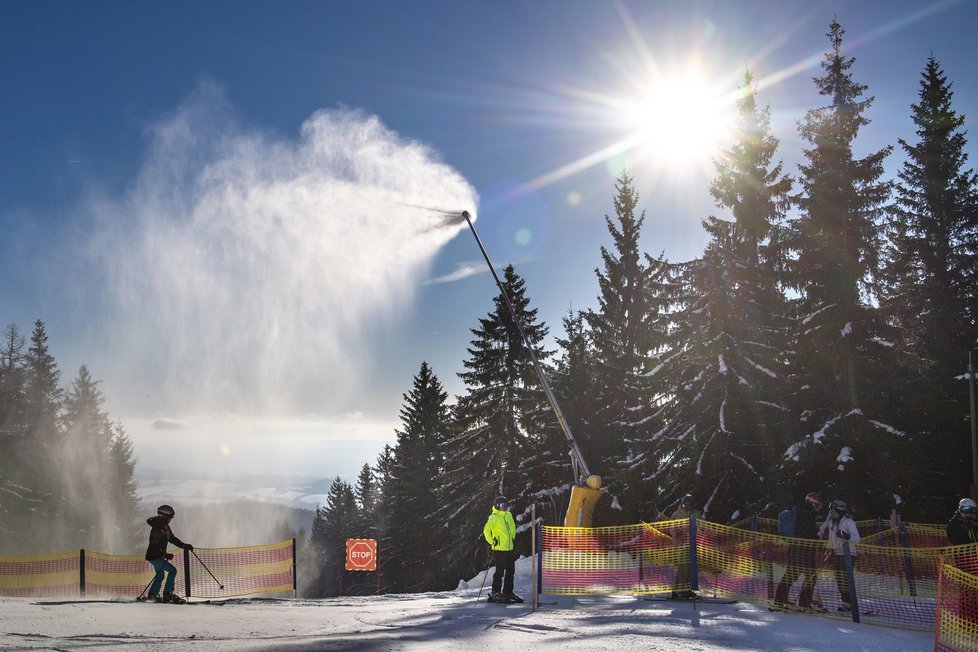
<point>500,533</point>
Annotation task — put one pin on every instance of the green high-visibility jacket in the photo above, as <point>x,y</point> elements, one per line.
<point>500,528</point>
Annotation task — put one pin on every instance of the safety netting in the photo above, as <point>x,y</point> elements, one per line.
<point>883,584</point>
<point>40,575</point>
<point>957,611</point>
<point>213,573</point>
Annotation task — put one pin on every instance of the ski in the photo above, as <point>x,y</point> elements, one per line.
<point>794,609</point>
<point>705,600</point>
<point>155,601</point>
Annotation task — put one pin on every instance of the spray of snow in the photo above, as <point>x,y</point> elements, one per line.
<point>242,271</point>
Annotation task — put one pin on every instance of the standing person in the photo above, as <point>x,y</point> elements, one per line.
<point>685,510</point>
<point>962,529</point>
<point>156,554</point>
<point>837,529</point>
<point>802,557</point>
<point>500,533</point>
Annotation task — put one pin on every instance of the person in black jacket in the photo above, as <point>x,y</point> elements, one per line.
<point>962,529</point>
<point>802,557</point>
<point>156,554</point>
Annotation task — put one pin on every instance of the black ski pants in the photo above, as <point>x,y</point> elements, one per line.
<point>502,578</point>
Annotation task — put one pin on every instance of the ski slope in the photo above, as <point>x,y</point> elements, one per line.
<point>450,620</point>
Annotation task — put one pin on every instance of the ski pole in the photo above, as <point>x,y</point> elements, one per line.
<point>479,596</point>
<point>207,569</point>
<point>155,575</point>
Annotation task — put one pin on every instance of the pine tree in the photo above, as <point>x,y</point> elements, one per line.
<point>499,422</point>
<point>16,496</point>
<point>932,281</point>
<point>87,490</point>
<point>331,528</point>
<point>842,370</point>
<point>413,489</point>
<point>627,329</point>
<point>729,337</point>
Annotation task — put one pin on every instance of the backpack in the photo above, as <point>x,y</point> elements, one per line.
<point>786,521</point>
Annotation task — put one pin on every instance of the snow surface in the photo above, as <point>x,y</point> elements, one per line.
<point>449,620</point>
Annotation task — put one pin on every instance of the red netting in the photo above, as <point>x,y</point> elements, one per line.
<point>241,571</point>
<point>889,585</point>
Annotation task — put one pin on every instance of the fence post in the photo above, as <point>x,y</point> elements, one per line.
<point>753,523</point>
<point>539,527</point>
<point>295,584</point>
<point>851,581</point>
<point>937,618</point>
<point>694,575</point>
<point>186,571</point>
<point>533,558</point>
<point>907,560</point>
<point>81,571</point>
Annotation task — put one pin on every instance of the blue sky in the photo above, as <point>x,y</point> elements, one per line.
<point>133,136</point>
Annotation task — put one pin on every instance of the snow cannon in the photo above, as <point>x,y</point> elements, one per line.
<point>583,500</point>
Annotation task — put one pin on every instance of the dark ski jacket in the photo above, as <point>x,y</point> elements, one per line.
<point>159,536</point>
<point>805,525</point>
<point>961,532</point>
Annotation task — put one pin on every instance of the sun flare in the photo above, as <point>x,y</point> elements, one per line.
<point>680,121</point>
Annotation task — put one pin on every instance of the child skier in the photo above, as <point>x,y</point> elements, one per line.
<point>156,554</point>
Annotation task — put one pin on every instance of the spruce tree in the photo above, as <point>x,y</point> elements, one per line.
<point>931,283</point>
<point>727,369</point>
<point>499,423</point>
<point>332,526</point>
<point>843,369</point>
<point>412,496</point>
<point>627,330</point>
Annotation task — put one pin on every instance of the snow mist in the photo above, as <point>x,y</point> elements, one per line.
<point>244,270</point>
<point>235,286</point>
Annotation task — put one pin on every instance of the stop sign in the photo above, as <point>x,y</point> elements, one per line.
<point>361,554</point>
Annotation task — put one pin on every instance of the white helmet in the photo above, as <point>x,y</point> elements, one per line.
<point>966,506</point>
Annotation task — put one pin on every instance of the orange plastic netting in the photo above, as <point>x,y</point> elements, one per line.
<point>888,584</point>
<point>248,570</point>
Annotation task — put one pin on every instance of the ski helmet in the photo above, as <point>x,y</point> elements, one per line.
<point>966,506</point>
<point>815,499</point>
<point>687,500</point>
<point>500,503</point>
<point>839,506</point>
<point>165,510</point>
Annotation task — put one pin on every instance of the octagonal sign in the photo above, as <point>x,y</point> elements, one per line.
<point>361,554</point>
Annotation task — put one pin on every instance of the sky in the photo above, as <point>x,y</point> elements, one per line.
<point>238,215</point>
<point>439,621</point>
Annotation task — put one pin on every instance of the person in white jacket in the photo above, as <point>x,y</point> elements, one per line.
<point>837,529</point>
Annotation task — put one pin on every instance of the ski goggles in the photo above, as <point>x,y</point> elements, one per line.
<point>967,510</point>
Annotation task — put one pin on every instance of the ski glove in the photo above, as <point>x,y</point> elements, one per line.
<point>495,541</point>
<point>187,546</point>
<point>842,534</point>
<point>168,556</point>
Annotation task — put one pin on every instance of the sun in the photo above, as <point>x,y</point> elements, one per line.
<point>679,120</point>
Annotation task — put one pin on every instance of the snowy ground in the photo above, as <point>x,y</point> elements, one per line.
<point>450,620</point>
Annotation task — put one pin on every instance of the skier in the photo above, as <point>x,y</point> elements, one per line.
<point>837,529</point>
<point>962,529</point>
<point>500,533</point>
<point>156,554</point>
<point>802,556</point>
<point>685,510</point>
